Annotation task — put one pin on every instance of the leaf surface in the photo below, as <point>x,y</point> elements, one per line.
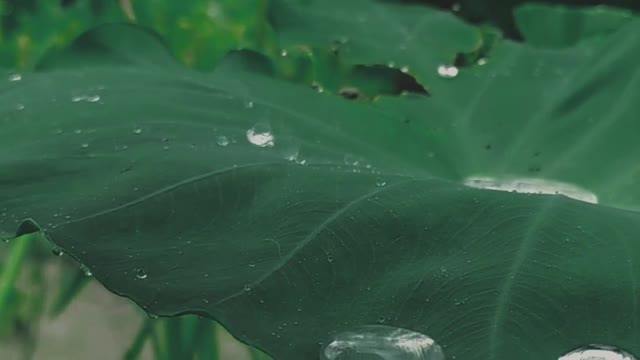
<point>289,221</point>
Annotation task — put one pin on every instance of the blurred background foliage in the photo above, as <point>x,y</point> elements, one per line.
<point>199,33</point>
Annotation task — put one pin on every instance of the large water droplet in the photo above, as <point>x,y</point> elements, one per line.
<point>381,342</point>
<point>532,186</point>
<point>597,352</point>
<point>15,77</point>
<point>222,140</point>
<point>141,274</point>
<point>261,135</point>
<point>447,71</point>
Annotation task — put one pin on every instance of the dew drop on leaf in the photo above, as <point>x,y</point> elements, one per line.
<point>222,140</point>
<point>447,71</point>
<point>284,53</point>
<point>137,131</point>
<point>248,104</point>
<point>247,287</point>
<point>57,251</point>
<point>15,77</point>
<point>404,69</point>
<point>380,182</point>
<point>86,270</point>
<point>20,107</point>
<point>141,274</point>
<point>261,136</point>
<point>84,146</point>
<point>597,352</point>
<point>381,342</point>
<point>481,61</point>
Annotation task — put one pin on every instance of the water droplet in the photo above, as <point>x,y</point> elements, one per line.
<point>404,69</point>
<point>380,182</point>
<point>20,107</point>
<point>252,265</point>
<point>84,146</point>
<point>141,274</point>
<point>597,352</point>
<point>248,104</point>
<point>381,342</point>
<point>85,269</point>
<point>57,251</point>
<point>205,275</point>
<point>391,64</point>
<point>447,71</point>
<point>284,52</point>
<point>93,98</point>
<point>481,61</point>
<point>247,287</point>
<point>222,140</point>
<point>15,77</point>
<point>137,131</point>
<point>317,87</point>
<point>261,136</point>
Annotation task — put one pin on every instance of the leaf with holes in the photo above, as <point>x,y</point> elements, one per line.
<point>290,216</point>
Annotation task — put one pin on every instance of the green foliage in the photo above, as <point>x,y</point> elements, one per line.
<point>289,214</point>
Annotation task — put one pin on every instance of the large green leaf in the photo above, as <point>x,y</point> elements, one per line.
<point>288,215</point>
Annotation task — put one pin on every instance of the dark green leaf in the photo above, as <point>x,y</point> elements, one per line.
<point>558,26</point>
<point>289,216</point>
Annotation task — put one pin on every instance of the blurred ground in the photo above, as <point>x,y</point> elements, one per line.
<point>98,325</point>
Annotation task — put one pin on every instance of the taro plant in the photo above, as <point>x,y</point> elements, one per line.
<point>475,194</point>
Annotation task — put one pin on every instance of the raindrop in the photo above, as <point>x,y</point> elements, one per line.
<point>15,77</point>
<point>20,107</point>
<point>391,64</point>
<point>93,98</point>
<point>252,265</point>
<point>404,69</point>
<point>317,87</point>
<point>481,61</point>
<point>597,352</point>
<point>381,342</point>
<point>284,53</point>
<point>141,274</point>
<point>380,182</point>
<point>57,251</point>
<point>137,131</point>
<point>85,145</point>
<point>222,140</point>
<point>247,287</point>
<point>248,104</point>
<point>85,269</point>
<point>261,136</point>
<point>447,71</point>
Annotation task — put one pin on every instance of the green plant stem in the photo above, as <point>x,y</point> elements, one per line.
<point>138,342</point>
<point>17,254</point>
